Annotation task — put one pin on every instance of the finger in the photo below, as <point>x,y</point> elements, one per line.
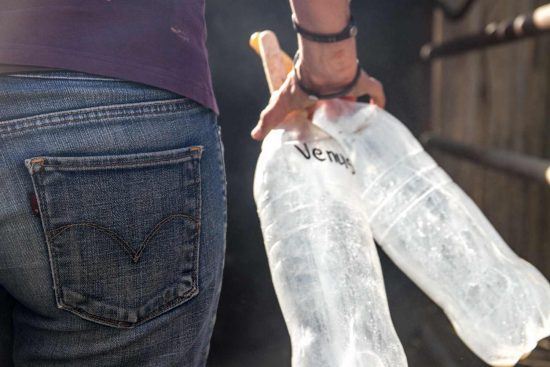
<point>273,113</point>
<point>283,101</point>
<point>372,87</point>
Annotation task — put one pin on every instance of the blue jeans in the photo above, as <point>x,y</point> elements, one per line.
<point>112,223</point>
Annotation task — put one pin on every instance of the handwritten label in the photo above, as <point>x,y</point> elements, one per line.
<point>325,156</point>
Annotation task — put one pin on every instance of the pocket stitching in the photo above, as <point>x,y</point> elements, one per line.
<point>57,231</point>
<point>135,255</point>
<point>126,324</point>
<point>55,275</point>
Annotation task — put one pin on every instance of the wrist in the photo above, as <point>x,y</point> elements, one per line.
<point>326,67</point>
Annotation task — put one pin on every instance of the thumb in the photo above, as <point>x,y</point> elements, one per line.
<point>282,102</point>
<point>273,114</point>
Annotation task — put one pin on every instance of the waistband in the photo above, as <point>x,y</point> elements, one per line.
<point>28,93</point>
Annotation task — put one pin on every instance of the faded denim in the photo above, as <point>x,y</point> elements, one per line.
<point>112,223</point>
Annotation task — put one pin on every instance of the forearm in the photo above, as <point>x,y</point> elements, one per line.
<point>323,16</point>
<point>325,65</point>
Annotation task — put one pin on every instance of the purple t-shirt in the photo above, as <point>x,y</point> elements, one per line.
<point>157,42</point>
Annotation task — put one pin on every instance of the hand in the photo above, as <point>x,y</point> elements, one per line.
<point>289,97</point>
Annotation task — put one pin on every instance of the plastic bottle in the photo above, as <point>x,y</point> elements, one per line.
<point>498,303</point>
<point>323,260</point>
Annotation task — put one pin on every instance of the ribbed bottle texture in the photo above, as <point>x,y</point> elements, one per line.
<point>498,303</point>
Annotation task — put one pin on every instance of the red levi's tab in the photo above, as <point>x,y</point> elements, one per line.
<point>34,204</point>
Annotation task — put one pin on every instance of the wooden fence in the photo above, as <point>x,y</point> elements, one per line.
<point>498,98</point>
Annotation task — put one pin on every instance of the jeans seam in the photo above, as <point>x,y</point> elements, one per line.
<point>198,227</point>
<point>91,114</point>
<point>188,156</point>
<point>221,162</point>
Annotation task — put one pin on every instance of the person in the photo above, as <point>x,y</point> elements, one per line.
<point>112,181</point>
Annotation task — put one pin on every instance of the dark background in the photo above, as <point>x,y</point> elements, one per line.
<point>250,330</point>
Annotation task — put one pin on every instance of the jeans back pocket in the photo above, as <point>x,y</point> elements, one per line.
<point>122,231</point>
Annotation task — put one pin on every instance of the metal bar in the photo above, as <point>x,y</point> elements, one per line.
<point>496,33</point>
<point>522,165</point>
